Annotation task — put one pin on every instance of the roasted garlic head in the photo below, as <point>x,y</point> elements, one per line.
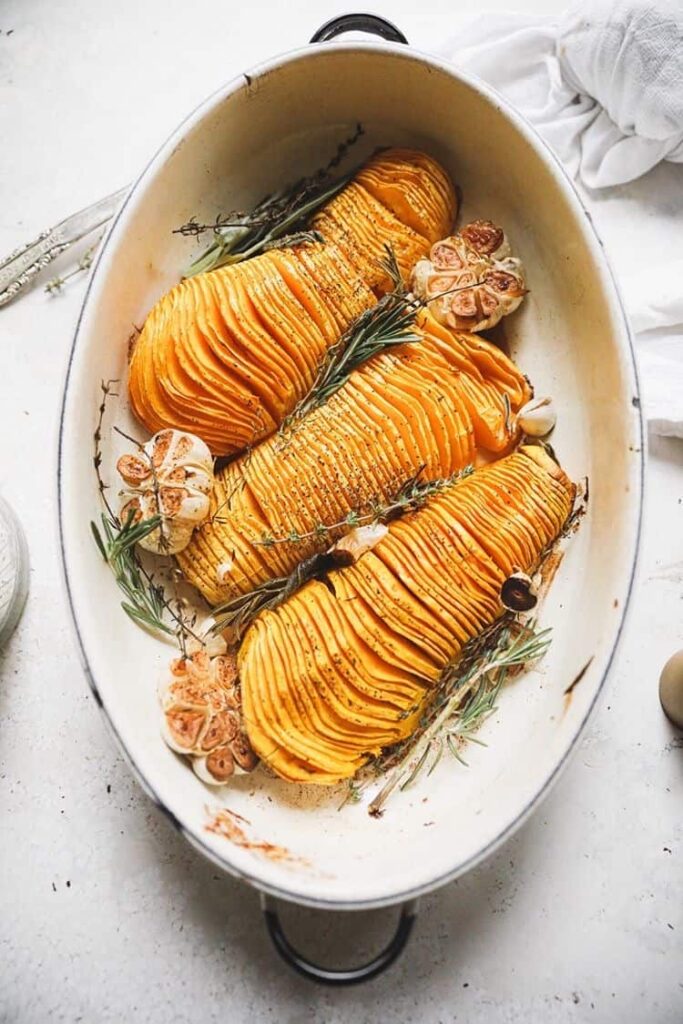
<point>470,281</point>
<point>171,476</point>
<point>201,716</point>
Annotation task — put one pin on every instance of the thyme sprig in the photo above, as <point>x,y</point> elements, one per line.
<point>237,614</point>
<point>411,496</point>
<point>241,235</point>
<point>55,284</point>
<point>466,696</point>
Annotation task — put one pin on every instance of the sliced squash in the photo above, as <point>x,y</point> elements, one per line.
<point>339,672</point>
<point>420,408</point>
<point>229,353</point>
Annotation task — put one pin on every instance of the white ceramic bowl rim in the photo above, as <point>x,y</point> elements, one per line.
<point>545,154</point>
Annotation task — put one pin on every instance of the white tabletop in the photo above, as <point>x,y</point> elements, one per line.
<point>105,913</point>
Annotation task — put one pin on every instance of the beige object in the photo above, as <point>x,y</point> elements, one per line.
<point>671,688</point>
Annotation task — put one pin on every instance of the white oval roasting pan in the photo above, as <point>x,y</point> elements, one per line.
<point>281,120</point>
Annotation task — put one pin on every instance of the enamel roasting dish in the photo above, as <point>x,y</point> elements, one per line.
<point>280,120</point>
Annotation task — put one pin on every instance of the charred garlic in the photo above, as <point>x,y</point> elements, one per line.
<point>538,417</point>
<point>201,716</point>
<point>171,476</point>
<point>519,593</point>
<point>470,281</point>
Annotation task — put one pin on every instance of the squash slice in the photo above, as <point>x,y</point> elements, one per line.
<point>340,672</point>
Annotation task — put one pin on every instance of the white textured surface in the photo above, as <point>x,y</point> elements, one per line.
<point>105,914</point>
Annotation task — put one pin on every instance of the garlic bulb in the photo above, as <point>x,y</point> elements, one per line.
<point>470,281</point>
<point>171,476</point>
<point>538,417</point>
<point>201,716</point>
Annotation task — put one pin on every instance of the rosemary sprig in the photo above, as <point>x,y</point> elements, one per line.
<point>466,696</point>
<point>144,600</point>
<point>388,323</point>
<point>242,235</point>
<point>237,614</point>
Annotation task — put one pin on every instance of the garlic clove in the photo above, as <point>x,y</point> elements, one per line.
<point>538,417</point>
<point>359,540</point>
<point>487,239</point>
<point>216,768</point>
<point>223,572</point>
<point>242,753</point>
<point>518,593</point>
<point>420,276</point>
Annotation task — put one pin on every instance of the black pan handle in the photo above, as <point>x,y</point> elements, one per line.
<point>358,23</point>
<point>349,976</point>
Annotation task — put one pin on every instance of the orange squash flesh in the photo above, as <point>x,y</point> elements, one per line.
<point>229,353</point>
<point>400,414</point>
<point>340,672</point>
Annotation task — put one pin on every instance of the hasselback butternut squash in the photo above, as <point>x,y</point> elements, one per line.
<point>228,354</point>
<point>426,407</point>
<point>340,671</point>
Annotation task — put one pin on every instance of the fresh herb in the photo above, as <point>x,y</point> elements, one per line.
<point>385,325</point>
<point>412,496</point>
<point>145,599</point>
<point>56,284</point>
<point>241,235</point>
<point>145,602</point>
<point>466,696</point>
<point>391,322</point>
<point>237,614</point>
<point>292,241</point>
<point>107,390</point>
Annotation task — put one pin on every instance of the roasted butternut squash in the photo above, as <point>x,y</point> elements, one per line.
<point>426,407</point>
<point>340,671</point>
<point>227,355</point>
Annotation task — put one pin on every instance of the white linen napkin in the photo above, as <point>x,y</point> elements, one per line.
<point>603,84</point>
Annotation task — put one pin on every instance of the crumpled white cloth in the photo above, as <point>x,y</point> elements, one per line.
<point>603,84</point>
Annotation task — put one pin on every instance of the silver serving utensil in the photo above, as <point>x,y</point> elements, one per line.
<point>18,269</point>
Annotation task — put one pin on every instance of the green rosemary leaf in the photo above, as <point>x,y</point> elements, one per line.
<point>465,697</point>
<point>144,600</point>
<point>388,323</point>
<point>241,235</point>
<point>272,218</point>
<point>98,540</point>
